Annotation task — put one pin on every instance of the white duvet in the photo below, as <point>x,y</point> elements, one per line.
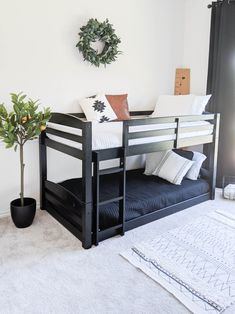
<point>109,135</point>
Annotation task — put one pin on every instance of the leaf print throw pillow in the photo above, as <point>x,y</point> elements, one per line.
<point>97,109</point>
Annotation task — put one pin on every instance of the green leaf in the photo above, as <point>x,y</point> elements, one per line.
<point>24,122</point>
<point>3,112</point>
<point>103,31</point>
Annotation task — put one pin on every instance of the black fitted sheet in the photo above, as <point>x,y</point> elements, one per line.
<point>144,194</point>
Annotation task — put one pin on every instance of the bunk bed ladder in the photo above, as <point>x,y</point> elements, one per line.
<point>121,198</point>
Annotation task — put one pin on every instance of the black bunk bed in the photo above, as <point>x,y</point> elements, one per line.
<point>107,202</point>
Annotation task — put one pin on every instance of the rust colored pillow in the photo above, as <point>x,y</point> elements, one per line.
<point>119,104</point>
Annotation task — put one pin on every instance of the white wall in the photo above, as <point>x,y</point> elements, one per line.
<point>196,43</point>
<point>38,56</point>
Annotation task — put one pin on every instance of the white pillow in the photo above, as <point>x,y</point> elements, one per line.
<point>97,109</point>
<point>174,105</point>
<point>194,171</point>
<point>152,161</point>
<point>173,167</point>
<point>200,103</point>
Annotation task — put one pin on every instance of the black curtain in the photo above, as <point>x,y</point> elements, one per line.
<point>221,82</point>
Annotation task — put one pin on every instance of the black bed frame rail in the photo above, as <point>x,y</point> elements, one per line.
<point>176,129</point>
<point>79,215</point>
<point>76,224</point>
<point>211,140</point>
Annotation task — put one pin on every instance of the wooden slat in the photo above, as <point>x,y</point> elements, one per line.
<point>149,121</point>
<point>149,148</point>
<point>207,127</point>
<point>72,226</point>
<point>109,153</point>
<point>67,120</point>
<point>115,199</point>
<point>108,233</point>
<point>197,140</point>
<point>68,136</point>
<point>63,209</point>
<point>65,195</point>
<point>74,152</point>
<point>108,230</point>
<point>203,117</point>
<point>110,171</point>
<point>162,120</point>
<point>143,134</point>
<point>79,115</point>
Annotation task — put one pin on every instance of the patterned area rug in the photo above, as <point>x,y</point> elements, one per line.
<point>196,262</point>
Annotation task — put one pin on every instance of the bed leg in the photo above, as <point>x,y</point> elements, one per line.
<point>86,227</point>
<point>87,186</point>
<point>43,168</point>
<point>213,153</point>
<point>213,195</point>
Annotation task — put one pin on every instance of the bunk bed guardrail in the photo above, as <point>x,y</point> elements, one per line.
<point>176,130</point>
<point>54,198</point>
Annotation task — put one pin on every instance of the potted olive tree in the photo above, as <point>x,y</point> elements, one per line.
<point>24,123</point>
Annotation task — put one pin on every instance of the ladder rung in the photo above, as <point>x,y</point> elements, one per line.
<point>111,228</point>
<point>110,170</point>
<point>111,200</point>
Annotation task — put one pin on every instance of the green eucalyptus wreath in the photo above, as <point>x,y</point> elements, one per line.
<point>95,31</point>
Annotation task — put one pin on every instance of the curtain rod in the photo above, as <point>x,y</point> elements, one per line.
<point>219,2</point>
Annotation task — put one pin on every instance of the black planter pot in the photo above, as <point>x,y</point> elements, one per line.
<point>23,216</point>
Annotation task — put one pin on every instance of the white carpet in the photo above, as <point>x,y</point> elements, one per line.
<point>43,269</point>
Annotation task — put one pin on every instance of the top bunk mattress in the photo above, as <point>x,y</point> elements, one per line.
<point>109,135</point>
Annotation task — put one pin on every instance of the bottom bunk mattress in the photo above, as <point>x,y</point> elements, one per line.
<point>144,194</point>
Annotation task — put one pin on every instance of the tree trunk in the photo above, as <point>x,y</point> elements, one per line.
<point>22,174</point>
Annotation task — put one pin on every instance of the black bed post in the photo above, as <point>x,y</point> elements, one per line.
<point>87,186</point>
<point>212,158</point>
<point>43,168</point>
